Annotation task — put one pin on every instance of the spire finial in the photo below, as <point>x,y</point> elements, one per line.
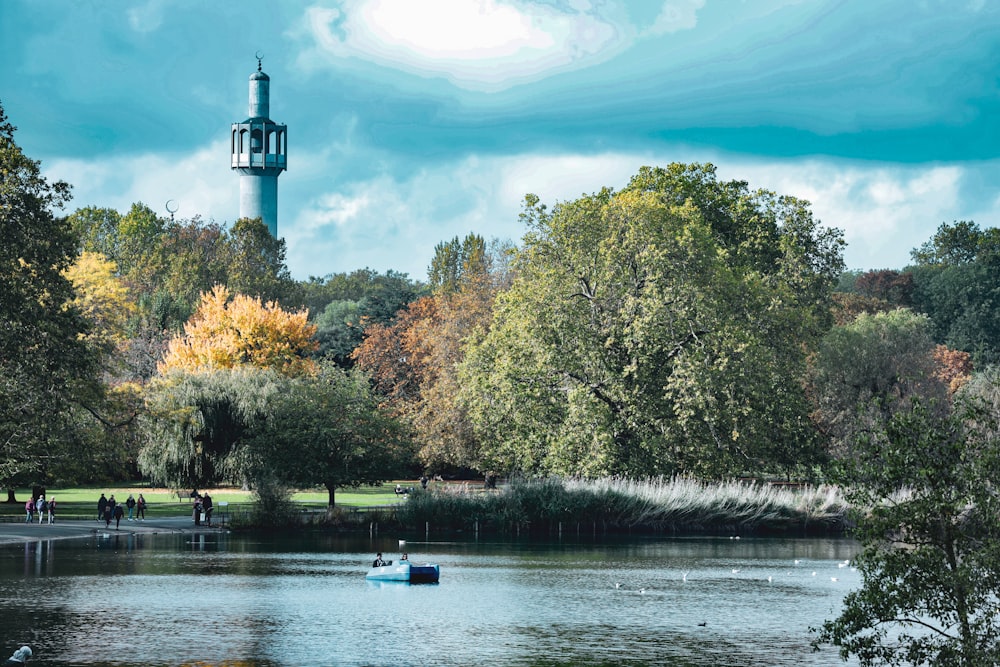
<point>258,55</point>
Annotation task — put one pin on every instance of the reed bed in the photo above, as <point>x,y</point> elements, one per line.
<point>677,504</point>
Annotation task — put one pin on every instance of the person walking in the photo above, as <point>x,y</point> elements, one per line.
<point>130,504</point>
<point>19,658</point>
<point>140,508</point>
<point>52,510</point>
<point>197,510</point>
<point>42,506</point>
<point>29,507</point>
<point>119,512</point>
<point>102,505</point>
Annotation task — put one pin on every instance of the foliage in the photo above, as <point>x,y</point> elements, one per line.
<point>866,370</point>
<point>414,361</point>
<point>677,504</point>
<point>929,524</point>
<point>655,330</point>
<point>327,430</point>
<point>44,361</point>
<point>102,298</point>
<point>226,333</point>
<point>380,296</point>
<point>455,262</point>
<point>257,265</point>
<point>956,284</point>
<point>195,420</point>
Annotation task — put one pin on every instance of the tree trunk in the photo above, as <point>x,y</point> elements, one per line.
<point>10,495</point>
<point>331,490</point>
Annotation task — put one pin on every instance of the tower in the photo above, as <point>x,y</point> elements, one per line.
<point>260,151</point>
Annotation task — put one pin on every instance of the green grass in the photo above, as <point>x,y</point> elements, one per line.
<point>81,502</point>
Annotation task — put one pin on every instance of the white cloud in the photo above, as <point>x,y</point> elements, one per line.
<point>883,210</point>
<point>677,15</point>
<point>200,183</point>
<point>146,17</point>
<point>476,44</point>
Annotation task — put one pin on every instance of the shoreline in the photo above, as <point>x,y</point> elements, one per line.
<point>21,532</point>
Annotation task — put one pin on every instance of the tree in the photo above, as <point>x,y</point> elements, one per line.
<point>257,263</point>
<point>227,333</point>
<point>339,330</point>
<point>327,429</point>
<point>956,284</point>
<point>929,523</point>
<point>43,357</point>
<point>196,419</point>
<point>865,371</point>
<point>654,331</point>
<point>455,261</point>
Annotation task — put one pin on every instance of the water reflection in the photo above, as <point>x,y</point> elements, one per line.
<point>215,599</point>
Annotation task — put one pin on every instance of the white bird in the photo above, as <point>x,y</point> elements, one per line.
<point>617,585</point>
<point>769,579</point>
<point>814,574</point>
<point>642,591</point>
<point>735,571</point>
<point>684,577</point>
<point>797,561</point>
<point>841,564</point>
<point>834,579</point>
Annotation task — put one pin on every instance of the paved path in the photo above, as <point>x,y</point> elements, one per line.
<point>16,532</point>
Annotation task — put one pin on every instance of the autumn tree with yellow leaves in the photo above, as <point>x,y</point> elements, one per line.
<point>227,332</point>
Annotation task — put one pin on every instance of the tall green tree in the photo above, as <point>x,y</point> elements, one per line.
<point>929,522</point>
<point>656,330</point>
<point>865,371</point>
<point>44,361</point>
<point>956,279</point>
<point>328,430</point>
<point>257,264</point>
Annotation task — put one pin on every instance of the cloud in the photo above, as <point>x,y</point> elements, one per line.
<point>200,183</point>
<point>384,222</point>
<point>146,17</point>
<point>475,44</point>
<point>677,15</point>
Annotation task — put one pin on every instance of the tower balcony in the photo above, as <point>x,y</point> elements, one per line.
<point>259,161</point>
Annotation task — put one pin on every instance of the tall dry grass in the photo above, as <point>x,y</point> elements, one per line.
<point>678,504</point>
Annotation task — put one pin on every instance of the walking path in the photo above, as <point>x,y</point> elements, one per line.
<point>17,532</point>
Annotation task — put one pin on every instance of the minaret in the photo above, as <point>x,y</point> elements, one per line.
<point>259,148</point>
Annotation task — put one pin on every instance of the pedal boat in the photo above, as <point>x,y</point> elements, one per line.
<point>404,570</point>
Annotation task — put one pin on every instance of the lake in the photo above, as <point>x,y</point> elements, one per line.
<point>234,600</point>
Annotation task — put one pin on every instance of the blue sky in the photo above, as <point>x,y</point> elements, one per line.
<point>413,122</point>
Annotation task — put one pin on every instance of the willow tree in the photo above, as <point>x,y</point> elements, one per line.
<point>216,383</point>
<point>656,330</point>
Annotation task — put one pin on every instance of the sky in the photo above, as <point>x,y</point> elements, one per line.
<point>411,123</point>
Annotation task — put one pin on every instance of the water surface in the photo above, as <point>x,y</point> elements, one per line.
<point>152,600</point>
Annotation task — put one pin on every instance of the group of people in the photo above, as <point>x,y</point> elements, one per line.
<point>109,509</point>
<point>202,508</point>
<point>42,507</point>
<point>379,561</point>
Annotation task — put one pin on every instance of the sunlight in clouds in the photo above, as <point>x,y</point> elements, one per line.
<point>476,44</point>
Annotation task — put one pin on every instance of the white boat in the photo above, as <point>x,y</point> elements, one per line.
<point>404,570</point>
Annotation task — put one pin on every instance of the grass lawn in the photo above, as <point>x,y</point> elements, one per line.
<point>81,503</point>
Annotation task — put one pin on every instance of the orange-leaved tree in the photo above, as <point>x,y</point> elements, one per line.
<point>228,332</point>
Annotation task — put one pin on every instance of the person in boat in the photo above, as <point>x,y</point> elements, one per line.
<point>378,562</point>
<point>405,557</point>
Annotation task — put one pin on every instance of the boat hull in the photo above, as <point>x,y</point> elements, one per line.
<point>426,573</point>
